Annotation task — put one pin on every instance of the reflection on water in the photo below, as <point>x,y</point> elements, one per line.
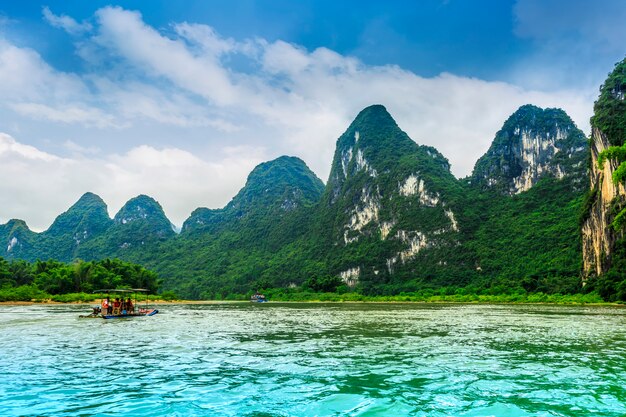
<point>316,360</point>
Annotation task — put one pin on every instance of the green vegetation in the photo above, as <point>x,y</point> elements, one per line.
<point>530,240</point>
<point>610,108</point>
<point>449,295</point>
<point>57,281</point>
<point>286,234</point>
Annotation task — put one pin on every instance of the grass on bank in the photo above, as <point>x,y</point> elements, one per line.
<point>429,297</point>
<point>32,293</point>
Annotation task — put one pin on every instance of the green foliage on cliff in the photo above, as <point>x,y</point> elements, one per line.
<point>618,154</point>
<point>235,249</point>
<point>610,108</point>
<point>23,281</point>
<point>612,285</point>
<point>530,240</point>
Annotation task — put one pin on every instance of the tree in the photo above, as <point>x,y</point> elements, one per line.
<point>6,279</point>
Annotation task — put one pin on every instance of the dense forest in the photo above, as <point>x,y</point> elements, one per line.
<point>51,279</point>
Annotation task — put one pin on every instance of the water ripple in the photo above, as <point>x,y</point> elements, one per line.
<point>315,360</point>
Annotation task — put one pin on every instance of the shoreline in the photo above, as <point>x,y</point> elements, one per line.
<point>209,302</point>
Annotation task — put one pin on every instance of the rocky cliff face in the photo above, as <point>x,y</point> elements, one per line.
<point>605,198</point>
<point>532,144</point>
<point>598,235</point>
<point>386,191</point>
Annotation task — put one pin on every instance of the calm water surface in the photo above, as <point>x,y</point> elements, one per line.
<point>315,360</point>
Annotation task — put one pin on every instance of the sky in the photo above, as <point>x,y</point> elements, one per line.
<point>181,100</point>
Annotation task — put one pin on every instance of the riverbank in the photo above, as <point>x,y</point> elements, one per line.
<point>31,294</point>
<point>430,301</point>
<point>52,302</point>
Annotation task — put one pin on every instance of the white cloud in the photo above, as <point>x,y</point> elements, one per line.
<point>90,117</point>
<point>205,37</point>
<point>27,77</point>
<point>66,23</point>
<point>78,150</point>
<point>9,147</point>
<point>185,114</point>
<point>38,186</point>
<point>126,35</point>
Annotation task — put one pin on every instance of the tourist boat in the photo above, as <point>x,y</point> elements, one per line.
<point>258,298</point>
<point>120,312</point>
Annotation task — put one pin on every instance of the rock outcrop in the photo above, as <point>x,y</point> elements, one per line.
<point>605,198</point>
<point>532,144</point>
<point>598,235</point>
<point>387,192</point>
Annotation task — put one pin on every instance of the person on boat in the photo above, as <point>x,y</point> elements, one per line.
<point>105,305</point>
<point>116,306</point>
<point>130,308</point>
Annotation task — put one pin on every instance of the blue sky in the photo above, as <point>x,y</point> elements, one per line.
<point>180,100</point>
<point>437,36</point>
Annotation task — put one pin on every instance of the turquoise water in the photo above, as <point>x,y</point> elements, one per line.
<point>315,360</point>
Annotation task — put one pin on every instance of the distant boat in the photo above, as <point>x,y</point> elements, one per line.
<point>123,309</point>
<point>258,298</point>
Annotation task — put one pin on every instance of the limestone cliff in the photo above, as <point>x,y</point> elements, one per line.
<point>605,198</point>
<point>532,144</point>
<point>391,207</point>
<point>597,233</point>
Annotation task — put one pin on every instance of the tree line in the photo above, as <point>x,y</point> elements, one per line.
<point>22,281</point>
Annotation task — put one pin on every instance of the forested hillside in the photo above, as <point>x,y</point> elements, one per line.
<point>391,219</point>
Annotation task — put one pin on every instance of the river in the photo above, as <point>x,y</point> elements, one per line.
<point>314,359</point>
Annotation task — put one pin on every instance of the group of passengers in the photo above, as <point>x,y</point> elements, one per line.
<point>118,307</point>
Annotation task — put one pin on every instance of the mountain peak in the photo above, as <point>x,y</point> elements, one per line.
<point>610,109</point>
<point>90,198</point>
<point>272,189</point>
<point>84,220</point>
<point>286,180</point>
<point>371,123</point>
<point>141,219</point>
<point>373,143</point>
<point>17,224</point>
<point>16,236</point>
<point>376,113</point>
<point>532,143</point>
<point>141,207</point>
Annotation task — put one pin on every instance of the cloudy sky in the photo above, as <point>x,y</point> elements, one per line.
<point>180,100</point>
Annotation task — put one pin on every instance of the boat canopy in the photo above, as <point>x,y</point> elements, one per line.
<point>124,290</point>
